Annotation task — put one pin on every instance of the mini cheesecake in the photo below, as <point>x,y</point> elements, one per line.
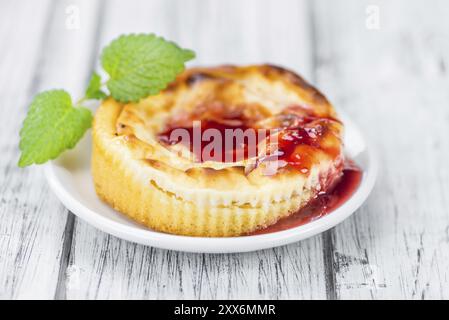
<point>166,163</point>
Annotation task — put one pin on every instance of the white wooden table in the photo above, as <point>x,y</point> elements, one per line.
<point>390,74</point>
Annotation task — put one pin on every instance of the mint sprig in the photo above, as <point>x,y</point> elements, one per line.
<point>52,125</point>
<point>93,90</point>
<point>138,65</point>
<point>142,64</point>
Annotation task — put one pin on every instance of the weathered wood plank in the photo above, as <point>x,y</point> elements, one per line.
<point>102,266</point>
<point>22,231</point>
<point>396,246</point>
<point>41,53</point>
<point>393,81</point>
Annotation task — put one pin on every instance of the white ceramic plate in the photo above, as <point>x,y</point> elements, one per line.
<point>70,179</point>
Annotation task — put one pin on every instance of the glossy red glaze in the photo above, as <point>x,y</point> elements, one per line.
<point>228,153</point>
<point>323,203</point>
<point>298,140</point>
<point>300,136</point>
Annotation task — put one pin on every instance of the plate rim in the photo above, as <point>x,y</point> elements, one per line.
<point>220,244</point>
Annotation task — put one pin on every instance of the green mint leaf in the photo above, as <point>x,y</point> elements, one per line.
<point>142,64</point>
<point>52,125</point>
<point>93,90</point>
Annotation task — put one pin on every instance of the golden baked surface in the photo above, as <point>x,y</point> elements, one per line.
<point>169,187</point>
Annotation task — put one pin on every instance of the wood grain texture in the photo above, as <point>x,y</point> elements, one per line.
<point>30,234</point>
<point>102,266</point>
<point>41,53</point>
<point>393,81</point>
